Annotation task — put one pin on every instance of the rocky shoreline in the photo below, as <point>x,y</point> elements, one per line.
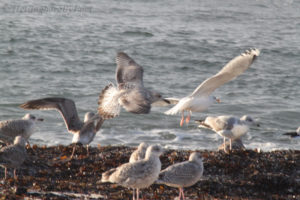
<point>48,173</point>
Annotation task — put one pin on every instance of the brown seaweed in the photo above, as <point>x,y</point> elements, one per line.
<point>49,173</point>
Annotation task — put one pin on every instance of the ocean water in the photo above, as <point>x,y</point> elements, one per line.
<point>68,48</point>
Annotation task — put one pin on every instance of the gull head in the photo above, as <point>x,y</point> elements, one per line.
<point>196,157</point>
<point>20,140</point>
<point>249,120</point>
<point>155,96</point>
<point>154,150</point>
<point>143,146</point>
<point>88,116</point>
<point>32,117</point>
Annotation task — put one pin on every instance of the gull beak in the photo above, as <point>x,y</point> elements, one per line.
<point>40,119</point>
<point>218,100</point>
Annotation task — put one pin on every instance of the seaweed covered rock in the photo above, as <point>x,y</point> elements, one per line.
<point>48,172</point>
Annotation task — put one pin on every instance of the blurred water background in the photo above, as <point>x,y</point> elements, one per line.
<point>68,48</point>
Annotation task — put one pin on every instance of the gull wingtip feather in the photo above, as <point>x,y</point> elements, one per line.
<point>252,51</point>
<point>255,51</point>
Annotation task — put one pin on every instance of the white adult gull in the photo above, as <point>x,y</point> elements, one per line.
<point>12,156</point>
<point>184,174</point>
<point>139,153</point>
<point>201,97</point>
<point>24,127</point>
<point>139,174</point>
<point>83,132</point>
<point>228,126</point>
<point>130,92</point>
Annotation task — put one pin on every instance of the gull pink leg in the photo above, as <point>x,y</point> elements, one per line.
<point>5,171</point>
<point>182,118</point>
<point>133,194</point>
<point>73,152</point>
<point>187,120</point>
<point>179,197</point>
<point>182,194</point>
<point>15,174</point>
<point>87,149</point>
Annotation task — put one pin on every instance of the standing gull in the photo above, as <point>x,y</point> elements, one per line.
<point>228,126</point>
<point>11,128</point>
<point>83,132</point>
<point>184,174</point>
<point>139,174</point>
<point>130,92</point>
<point>294,133</point>
<point>201,98</point>
<point>13,156</point>
<point>139,153</point>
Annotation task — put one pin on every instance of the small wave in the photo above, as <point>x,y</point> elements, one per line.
<point>138,33</point>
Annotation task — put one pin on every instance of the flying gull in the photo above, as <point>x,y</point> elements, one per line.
<point>228,126</point>
<point>83,132</point>
<point>24,127</point>
<point>184,174</point>
<point>139,174</point>
<point>130,92</point>
<point>12,156</point>
<point>201,97</point>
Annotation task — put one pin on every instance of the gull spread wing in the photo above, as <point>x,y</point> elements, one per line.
<point>65,106</point>
<point>231,70</point>
<point>128,70</point>
<point>109,106</point>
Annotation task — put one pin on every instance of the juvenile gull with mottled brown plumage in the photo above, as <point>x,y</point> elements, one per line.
<point>24,127</point>
<point>184,174</point>
<point>83,131</point>
<point>13,156</point>
<point>130,92</point>
<point>139,153</point>
<point>139,174</point>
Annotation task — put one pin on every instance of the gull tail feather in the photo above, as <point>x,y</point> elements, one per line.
<point>109,106</point>
<point>292,134</point>
<point>201,124</point>
<point>106,175</point>
<point>182,104</point>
